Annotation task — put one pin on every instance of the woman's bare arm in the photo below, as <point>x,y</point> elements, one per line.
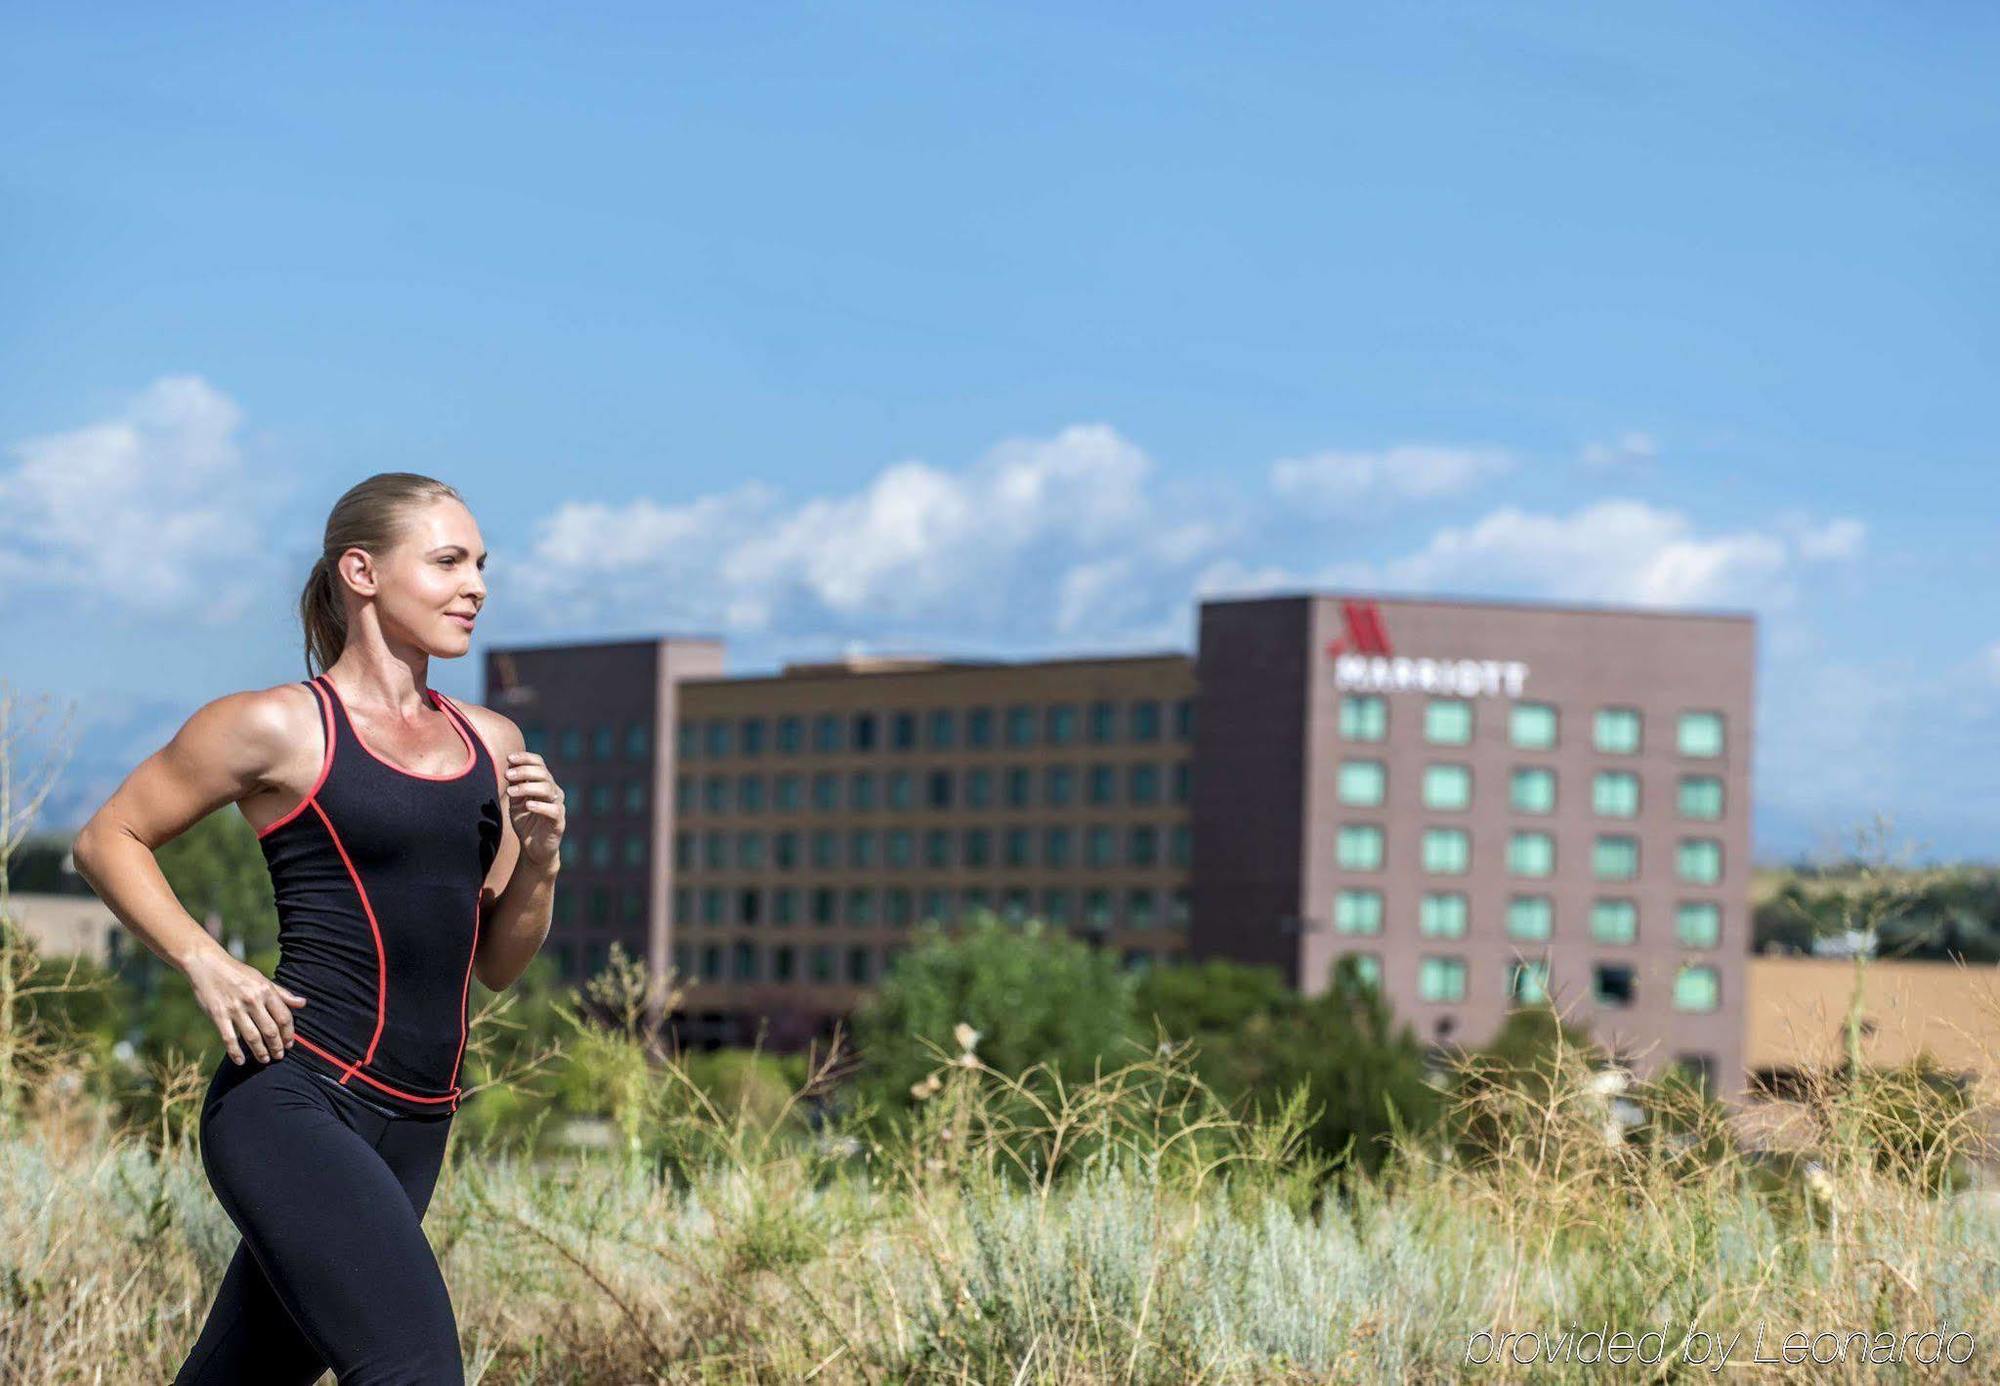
<point>239,746</point>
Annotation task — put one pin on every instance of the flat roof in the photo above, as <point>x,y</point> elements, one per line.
<point>815,671</point>
<point>1456,599</point>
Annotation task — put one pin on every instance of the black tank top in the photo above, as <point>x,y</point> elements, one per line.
<point>377,875</point>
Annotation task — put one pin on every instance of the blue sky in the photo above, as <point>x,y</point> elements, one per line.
<point>1013,329</point>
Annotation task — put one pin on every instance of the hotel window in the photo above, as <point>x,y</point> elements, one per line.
<point>1441,979</point>
<point>1698,923</point>
<point>749,906</point>
<point>936,906</point>
<point>600,849</point>
<point>821,962</point>
<point>1021,725</point>
<point>1059,786</point>
<point>1055,907</point>
<point>1145,717</point>
<point>750,793</point>
<point>684,794</point>
<point>791,735</point>
<point>1182,775</point>
<point>899,789</point>
<point>1531,726</point>
<point>1447,851</point>
<point>535,737</point>
<point>600,798</point>
<point>716,738</point>
<point>572,743</point>
<point>822,901</point>
<point>785,850</point>
<point>1528,983</point>
<point>783,963</point>
<point>861,790</point>
<point>943,729</point>
<point>1531,854</point>
<point>1364,717</point>
<point>785,793</point>
<point>937,847</point>
<point>1367,969</point>
<point>860,906</point>
<point>1016,849</point>
<point>1060,724</point>
<point>689,736</point>
<point>638,741</point>
<point>1616,730</point>
<point>1184,719</point>
<point>979,788</point>
<point>1358,847</point>
<point>1142,845</point>
<point>902,731</point>
<point>900,847</point>
<point>1447,786</point>
<point>1180,845</point>
<point>1177,908</point>
<point>896,907</point>
<point>1100,846</point>
<point>1696,988</point>
<point>861,848</point>
<point>1614,984</point>
<point>937,789</point>
<point>1361,783</point>
<point>1699,860</point>
<point>600,905</point>
<point>976,844</point>
<point>1097,909</point>
<point>1055,847</point>
<point>826,733</point>
<point>825,849</point>
<point>1142,784</point>
<point>635,849</point>
<point>1102,727</point>
<point>711,963</point>
<point>1141,909</point>
<point>1019,786</point>
<point>750,732</point>
<point>1532,789</point>
<point>862,727</point>
<point>1101,785</point>
<point>1700,797</point>
<point>784,907</point>
<point>1357,911</point>
<point>603,740</point>
<point>715,793</point>
<point>635,796</point>
<point>1699,734</point>
<point>683,850</point>
<point>825,791</point>
<point>1448,722</point>
<point>1442,914</point>
<point>1614,921</point>
<point>1530,917</point>
<point>1015,904</point>
<point>711,906</point>
<point>979,728</point>
<point>1614,857</point>
<point>683,905</point>
<point>1615,794</point>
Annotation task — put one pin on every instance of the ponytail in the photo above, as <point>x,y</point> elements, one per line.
<point>370,517</point>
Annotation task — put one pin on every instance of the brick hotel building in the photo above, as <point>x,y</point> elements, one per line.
<point>1487,802</point>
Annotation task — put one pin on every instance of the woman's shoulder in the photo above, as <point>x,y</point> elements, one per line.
<point>497,728</point>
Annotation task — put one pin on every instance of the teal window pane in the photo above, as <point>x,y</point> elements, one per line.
<point>1700,796</point>
<point>1696,988</point>
<point>1358,911</point>
<point>1698,859</point>
<point>1361,782</point>
<point>1141,909</point>
<point>1364,717</point>
<point>1531,726</point>
<point>1698,923</point>
<point>1447,787</point>
<point>1531,854</point>
<point>1100,846</point>
<point>1447,851</point>
<point>1614,921</point>
<point>1368,968</point>
<point>1615,794</point>
<point>1442,914</point>
<point>1616,730</point>
<point>1448,721</point>
<point>1614,857</point>
<point>1358,847</point>
<point>1441,979</point>
<point>1532,790</point>
<point>1699,734</point>
<point>1530,916</point>
<point>1528,983</point>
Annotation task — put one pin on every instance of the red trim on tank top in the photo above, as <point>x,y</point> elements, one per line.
<point>325,763</point>
<point>381,956</point>
<point>336,1060</point>
<point>471,756</point>
<point>464,996</point>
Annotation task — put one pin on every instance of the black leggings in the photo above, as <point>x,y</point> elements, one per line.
<point>329,1192</point>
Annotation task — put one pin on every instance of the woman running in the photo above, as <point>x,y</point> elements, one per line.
<point>413,844</point>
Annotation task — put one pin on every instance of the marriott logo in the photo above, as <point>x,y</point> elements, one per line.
<point>1364,659</point>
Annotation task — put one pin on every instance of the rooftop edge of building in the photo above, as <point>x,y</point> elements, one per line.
<point>1457,599</point>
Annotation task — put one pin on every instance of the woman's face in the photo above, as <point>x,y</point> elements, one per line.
<point>428,587</point>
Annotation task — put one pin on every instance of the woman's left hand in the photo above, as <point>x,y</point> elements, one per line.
<point>535,804</point>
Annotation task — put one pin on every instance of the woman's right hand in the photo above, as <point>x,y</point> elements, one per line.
<point>247,1007</point>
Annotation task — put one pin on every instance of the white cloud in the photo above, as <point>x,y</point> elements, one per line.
<point>1834,540</point>
<point>1628,449</point>
<point>152,509</point>
<point>1341,480</point>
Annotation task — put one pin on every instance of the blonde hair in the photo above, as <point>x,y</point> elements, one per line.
<point>369,516</point>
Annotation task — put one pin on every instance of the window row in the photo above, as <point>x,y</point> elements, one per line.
<point>1530,789</point>
<point>1441,979</point>
<point>1447,914</point>
<point>899,907</point>
<point>1531,726</point>
<point>1448,852</point>
<point>603,741</point>
<point>1101,723</point>
<point>863,791</point>
<point>602,850</point>
<point>856,964</point>
<point>1054,847</point>
<point>600,798</point>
